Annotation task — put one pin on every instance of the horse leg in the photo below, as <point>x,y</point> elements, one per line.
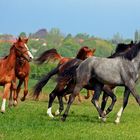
<point>25,89</point>
<point>56,92</point>
<point>95,99</point>
<point>51,99</point>
<point>79,97</point>
<point>125,101</point>
<point>104,101</point>
<point>10,97</point>
<point>131,86</point>
<point>61,105</point>
<point>17,92</point>
<point>109,92</point>
<point>71,99</point>
<point>88,94</point>
<point>66,99</point>
<point>6,91</point>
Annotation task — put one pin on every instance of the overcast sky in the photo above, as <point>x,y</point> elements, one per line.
<point>102,18</point>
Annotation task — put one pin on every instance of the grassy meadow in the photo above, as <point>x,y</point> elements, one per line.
<point>28,121</point>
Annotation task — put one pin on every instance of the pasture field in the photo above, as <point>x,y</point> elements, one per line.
<point>28,121</point>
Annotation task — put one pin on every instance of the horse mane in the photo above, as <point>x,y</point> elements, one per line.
<point>132,52</point>
<point>47,55</point>
<point>81,52</point>
<point>122,49</point>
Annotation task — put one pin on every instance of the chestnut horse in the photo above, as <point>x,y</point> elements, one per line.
<point>22,73</point>
<point>8,64</point>
<point>52,54</point>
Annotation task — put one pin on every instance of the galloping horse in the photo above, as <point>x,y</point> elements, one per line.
<point>83,53</point>
<point>66,84</point>
<point>119,71</point>
<point>52,54</point>
<point>8,67</point>
<point>22,73</point>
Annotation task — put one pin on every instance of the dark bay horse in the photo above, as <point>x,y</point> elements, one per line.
<point>119,71</point>
<point>7,67</point>
<point>83,53</point>
<point>52,54</point>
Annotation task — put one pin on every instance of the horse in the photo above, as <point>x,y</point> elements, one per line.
<point>65,80</point>
<point>52,54</point>
<point>22,74</point>
<point>83,53</point>
<point>119,71</point>
<point>8,65</point>
<point>67,75</point>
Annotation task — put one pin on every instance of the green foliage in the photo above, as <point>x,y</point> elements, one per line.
<point>4,49</point>
<point>22,34</point>
<point>37,71</point>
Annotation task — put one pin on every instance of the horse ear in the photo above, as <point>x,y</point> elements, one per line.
<point>19,39</point>
<point>94,49</point>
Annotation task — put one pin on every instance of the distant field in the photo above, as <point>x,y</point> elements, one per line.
<point>28,121</point>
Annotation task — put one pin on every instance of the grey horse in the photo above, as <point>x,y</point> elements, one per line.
<point>120,71</point>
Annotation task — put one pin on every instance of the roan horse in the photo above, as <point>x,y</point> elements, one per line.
<point>66,84</point>
<point>83,53</point>
<point>119,71</point>
<point>7,67</point>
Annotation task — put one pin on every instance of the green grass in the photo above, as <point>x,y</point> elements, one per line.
<point>28,121</point>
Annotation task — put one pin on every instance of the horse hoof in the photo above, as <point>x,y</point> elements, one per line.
<point>117,122</point>
<point>2,111</point>
<point>15,103</point>
<point>63,119</point>
<point>22,99</point>
<point>50,115</point>
<point>103,119</point>
<point>57,113</point>
<point>10,105</point>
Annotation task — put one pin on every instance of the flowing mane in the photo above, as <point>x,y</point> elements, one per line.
<point>121,47</point>
<point>125,50</point>
<point>132,52</point>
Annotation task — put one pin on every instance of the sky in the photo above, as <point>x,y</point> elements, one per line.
<point>101,18</point>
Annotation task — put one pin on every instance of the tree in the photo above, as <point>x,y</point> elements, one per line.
<point>117,38</point>
<point>136,36</point>
<point>22,34</point>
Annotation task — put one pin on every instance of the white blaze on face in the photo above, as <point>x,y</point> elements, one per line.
<point>29,53</point>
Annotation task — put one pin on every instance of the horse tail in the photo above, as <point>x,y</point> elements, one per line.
<point>38,87</point>
<point>51,54</point>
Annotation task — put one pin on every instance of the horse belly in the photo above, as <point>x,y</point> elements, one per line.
<point>109,75</point>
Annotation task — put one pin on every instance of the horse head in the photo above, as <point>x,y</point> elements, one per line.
<point>85,52</point>
<point>22,50</point>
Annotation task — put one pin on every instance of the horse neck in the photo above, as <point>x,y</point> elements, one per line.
<point>136,61</point>
<point>11,60</point>
<point>81,56</point>
<point>20,62</point>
